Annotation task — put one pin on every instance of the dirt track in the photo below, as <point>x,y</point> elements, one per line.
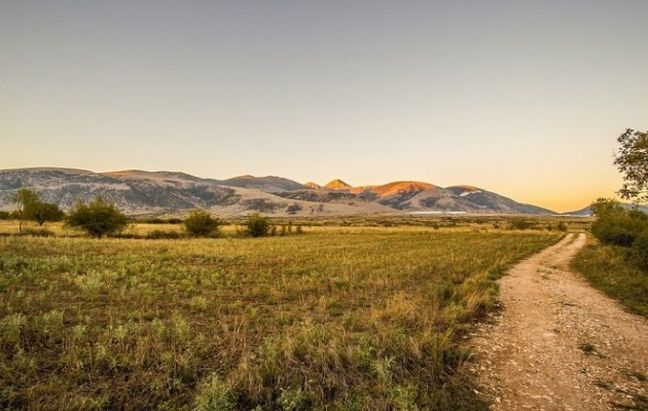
<point>559,344</point>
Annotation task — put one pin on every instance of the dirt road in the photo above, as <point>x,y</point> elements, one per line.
<point>559,344</point>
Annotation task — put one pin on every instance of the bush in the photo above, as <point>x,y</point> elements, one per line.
<point>257,225</point>
<point>616,225</point>
<point>201,224</point>
<point>97,218</point>
<point>640,249</point>
<point>5,215</point>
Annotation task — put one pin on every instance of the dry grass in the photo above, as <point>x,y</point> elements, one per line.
<point>365,319</point>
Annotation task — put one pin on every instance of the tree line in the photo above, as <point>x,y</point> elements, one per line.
<point>99,218</point>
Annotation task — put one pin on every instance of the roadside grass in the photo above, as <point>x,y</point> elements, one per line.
<point>611,269</point>
<point>367,320</point>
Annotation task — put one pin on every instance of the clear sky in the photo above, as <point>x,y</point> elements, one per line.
<point>518,97</point>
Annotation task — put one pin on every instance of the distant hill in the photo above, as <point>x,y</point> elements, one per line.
<point>268,184</point>
<point>139,192</point>
<point>337,184</point>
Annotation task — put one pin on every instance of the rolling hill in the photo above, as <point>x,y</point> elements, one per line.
<point>139,192</point>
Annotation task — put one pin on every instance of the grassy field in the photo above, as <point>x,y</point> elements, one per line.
<point>611,269</point>
<point>353,319</point>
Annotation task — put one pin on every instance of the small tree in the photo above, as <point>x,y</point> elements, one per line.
<point>632,162</point>
<point>257,225</point>
<point>48,212</point>
<point>97,218</point>
<point>30,207</point>
<point>201,224</point>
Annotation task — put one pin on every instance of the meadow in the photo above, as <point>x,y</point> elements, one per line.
<point>339,318</point>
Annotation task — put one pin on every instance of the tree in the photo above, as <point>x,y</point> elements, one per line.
<point>48,212</point>
<point>632,162</point>
<point>97,218</point>
<point>257,225</point>
<point>30,207</point>
<point>201,223</point>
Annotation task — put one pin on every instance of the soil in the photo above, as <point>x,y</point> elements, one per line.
<point>559,344</point>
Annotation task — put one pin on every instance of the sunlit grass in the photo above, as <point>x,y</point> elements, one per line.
<point>365,320</point>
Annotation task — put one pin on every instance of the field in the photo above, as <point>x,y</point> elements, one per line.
<point>611,269</point>
<point>364,318</point>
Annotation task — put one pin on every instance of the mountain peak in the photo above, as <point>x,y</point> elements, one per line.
<point>338,184</point>
<point>313,186</point>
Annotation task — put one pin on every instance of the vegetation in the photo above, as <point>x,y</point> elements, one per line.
<point>29,206</point>
<point>201,224</point>
<point>614,270</point>
<point>352,319</point>
<point>615,224</point>
<point>632,162</point>
<point>257,225</point>
<point>97,218</point>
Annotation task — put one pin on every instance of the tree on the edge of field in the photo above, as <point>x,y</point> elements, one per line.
<point>201,224</point>
<point>632,162</point>
<point>97,218</point>
<point>30,207</point>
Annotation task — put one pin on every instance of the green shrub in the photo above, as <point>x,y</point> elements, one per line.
<point>640,248</point>
<point>257,225</point>
<point>616,225</point>
<point>97,218</point>
<point>201,224</point>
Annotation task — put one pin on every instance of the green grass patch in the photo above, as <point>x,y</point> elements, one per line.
<point>613,270</point>
<point>338,321</point>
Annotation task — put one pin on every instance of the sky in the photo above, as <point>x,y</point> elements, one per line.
<point>518,97</point>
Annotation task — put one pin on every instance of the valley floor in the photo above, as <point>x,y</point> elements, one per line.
<point>558,344</point>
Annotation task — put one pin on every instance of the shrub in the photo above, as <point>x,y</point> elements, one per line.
<point>615,225</point>
<point>97,218</point>
<point>640,248</point>
<point>257,225</point>
<point>4,215</point>
<point>201,224</point>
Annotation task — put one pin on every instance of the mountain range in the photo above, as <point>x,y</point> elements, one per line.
<point>138,192</point>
